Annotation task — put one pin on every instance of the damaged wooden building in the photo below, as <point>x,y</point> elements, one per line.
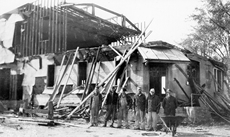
<point>35,37</point>
<point>45,41</point>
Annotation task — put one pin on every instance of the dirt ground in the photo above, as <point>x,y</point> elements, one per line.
<point>15,127</point>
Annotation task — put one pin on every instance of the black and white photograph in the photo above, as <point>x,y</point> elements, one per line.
<point>114,68</point>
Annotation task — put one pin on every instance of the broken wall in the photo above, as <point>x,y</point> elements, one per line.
<point>7,27</point>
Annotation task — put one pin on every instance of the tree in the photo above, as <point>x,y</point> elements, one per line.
<point>211,37</point>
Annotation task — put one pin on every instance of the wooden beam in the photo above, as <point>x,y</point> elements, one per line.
<point>116,51</point>
<point>57,86</point>
<point>95,63</point>
<point>182,88</point>
<point>71,67</point>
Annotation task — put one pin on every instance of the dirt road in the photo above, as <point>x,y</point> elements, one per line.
<point>32,129</point>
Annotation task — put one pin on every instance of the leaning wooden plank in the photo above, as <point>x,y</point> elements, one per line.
<point>91,78</point>
<point>178,83</point>
<point>216,102</point>
<point>225,103</point>
<point>123,74</point>
<point>223,98</point>
<point>91,74</point>
<point>210,97</point>
<point>71,67</point>
<point>124,84</point>
<point>87,80</point>
<point>116,51</point>
<point>217,113</point>
<point>122,78</point>
<point>98,71</point>
<point>55,91</point>
<point>181,70</point>
<point>62,62</point>
<point>57,86</point>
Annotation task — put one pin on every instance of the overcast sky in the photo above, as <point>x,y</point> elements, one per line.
<point>171,22</point>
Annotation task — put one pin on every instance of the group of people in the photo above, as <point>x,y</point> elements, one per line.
<point>143,107</point>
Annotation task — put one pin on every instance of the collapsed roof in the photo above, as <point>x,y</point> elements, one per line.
<point>55,27</point>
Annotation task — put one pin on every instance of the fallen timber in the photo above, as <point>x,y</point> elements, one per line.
<point>91,74</point>
<point>71,67</point>
<point>49,122</point>
<point>212,104</point>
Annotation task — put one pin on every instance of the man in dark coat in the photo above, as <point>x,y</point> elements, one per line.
<point>111,106</point>
<point>169,104</point>
<point>95,107</point>
<point>153,107</point>
<point>139,106</point>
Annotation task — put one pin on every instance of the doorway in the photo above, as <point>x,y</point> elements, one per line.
<point>157,78</point>
<point>5,84</point>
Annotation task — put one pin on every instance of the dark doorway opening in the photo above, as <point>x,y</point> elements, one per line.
<point>50,75</point>
<point>82,72</point>
<point>194,67</point>
<point>157,78</point>
<point>16,89</point>
<point>5,84</point>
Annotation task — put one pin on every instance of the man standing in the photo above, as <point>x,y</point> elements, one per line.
<point>123,109</point>
<point>153,107</point>
<point>111,106</point>
<point>139,104</point>
<point>95,107</point>
<point>170,104</point>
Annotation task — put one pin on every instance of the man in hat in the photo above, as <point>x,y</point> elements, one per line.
<point>111,106</point>
<point>170,104</point>
<point>153,107</point>
<point>123,109</point>
<point>139,105</point>
<point>95,107</point>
